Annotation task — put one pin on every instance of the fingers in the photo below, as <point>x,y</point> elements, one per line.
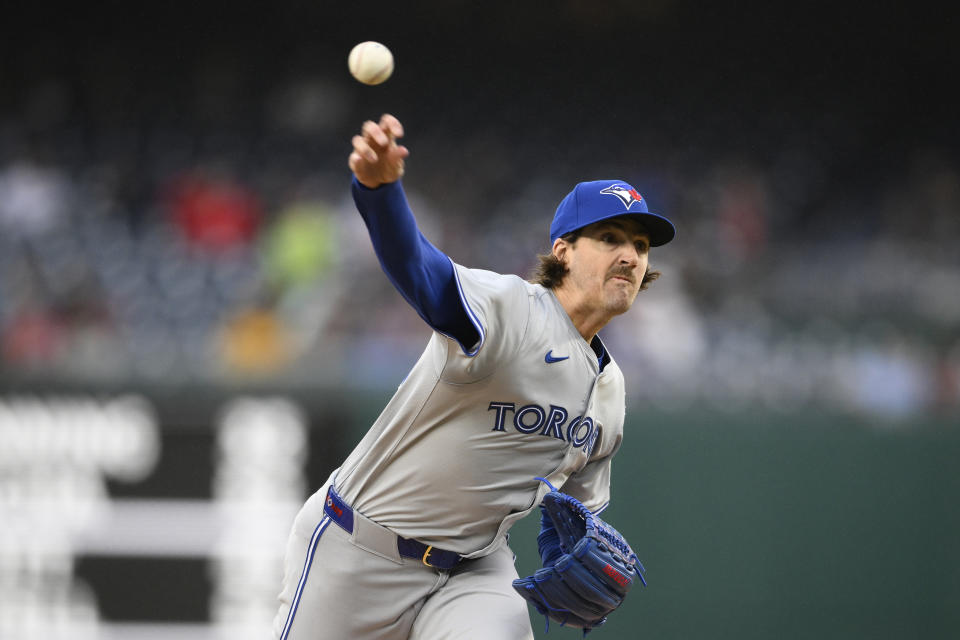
<point>355,161</point>
<point>383,133</point>
<point>391,125</point>
<point>375,134</point>
<point>363,149</point>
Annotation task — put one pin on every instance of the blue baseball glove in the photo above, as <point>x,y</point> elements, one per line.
<point>592,575</point>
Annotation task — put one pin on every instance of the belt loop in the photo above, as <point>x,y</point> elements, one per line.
<point>338,510</point>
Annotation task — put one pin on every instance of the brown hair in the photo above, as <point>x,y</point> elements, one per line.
<point>550,271</point>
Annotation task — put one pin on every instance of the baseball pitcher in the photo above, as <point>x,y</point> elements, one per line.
<point>514,404</point>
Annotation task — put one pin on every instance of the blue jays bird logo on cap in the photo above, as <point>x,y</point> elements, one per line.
<point>627,194</point>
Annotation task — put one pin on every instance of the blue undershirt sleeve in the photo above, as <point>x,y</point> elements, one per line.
<point>423,274</point>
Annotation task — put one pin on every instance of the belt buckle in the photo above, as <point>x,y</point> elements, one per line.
<point>426,555</point>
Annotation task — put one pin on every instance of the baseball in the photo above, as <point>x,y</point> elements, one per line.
<point>370,62</point>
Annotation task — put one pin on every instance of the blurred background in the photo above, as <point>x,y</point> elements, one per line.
<point>194,329</point>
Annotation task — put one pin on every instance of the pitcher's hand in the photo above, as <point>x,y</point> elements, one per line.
<point>377,158</point>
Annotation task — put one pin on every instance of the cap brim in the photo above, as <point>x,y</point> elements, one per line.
<point>660,229</point>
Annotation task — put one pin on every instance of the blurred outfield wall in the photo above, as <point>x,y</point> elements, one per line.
<point>750,525</point>
<point>787,526</point>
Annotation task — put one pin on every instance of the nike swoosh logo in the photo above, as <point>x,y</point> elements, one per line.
<point>550,358</point>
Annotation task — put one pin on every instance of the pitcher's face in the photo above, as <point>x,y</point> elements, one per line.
<point>607,264</point>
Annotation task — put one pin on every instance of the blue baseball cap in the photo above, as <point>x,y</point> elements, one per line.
<point>598,200</point>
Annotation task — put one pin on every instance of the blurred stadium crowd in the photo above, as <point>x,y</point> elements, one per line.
<point>200,230</point>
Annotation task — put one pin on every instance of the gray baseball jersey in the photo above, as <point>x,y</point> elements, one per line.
<point>452,459</point>
<point>451,462</point>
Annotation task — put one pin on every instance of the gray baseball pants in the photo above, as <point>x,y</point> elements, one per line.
<point>357,586</point>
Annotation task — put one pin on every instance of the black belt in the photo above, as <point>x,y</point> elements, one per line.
<point>341,513</point>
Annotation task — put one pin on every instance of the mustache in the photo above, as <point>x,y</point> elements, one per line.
<point>622,272</point>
